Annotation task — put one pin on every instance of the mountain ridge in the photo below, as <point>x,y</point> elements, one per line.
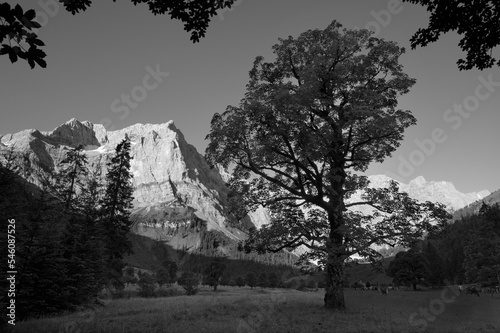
<point>167,170</point>
<point>438,191</point>
<point>176,193</point>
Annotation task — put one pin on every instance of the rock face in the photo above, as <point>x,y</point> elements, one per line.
<point>436,191</point>
<point>172,182</point>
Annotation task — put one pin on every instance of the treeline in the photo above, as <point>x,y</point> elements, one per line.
<point>464,252</point>
<point>157,252</point>
<point>70,234</point>
<point>214,243</point>
<point>470,247</point>
<point>167,266</point>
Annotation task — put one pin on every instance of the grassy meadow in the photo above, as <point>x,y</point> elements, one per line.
<point>233,309</point>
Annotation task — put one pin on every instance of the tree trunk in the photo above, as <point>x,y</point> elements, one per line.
<point>414,286</point>
<point>334,296</point>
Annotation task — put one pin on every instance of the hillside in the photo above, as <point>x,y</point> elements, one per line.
<point>473,208</point>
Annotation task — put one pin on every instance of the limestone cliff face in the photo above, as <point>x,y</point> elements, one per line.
<point>168,172</point>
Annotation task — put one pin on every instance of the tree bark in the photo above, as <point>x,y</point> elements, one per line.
<point>334,296</point>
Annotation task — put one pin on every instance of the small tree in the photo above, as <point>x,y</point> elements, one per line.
<point>214,271</point>
<point>172,271</point>
<point>263,281</point>
<point>190,282</point>
<point>273,280</point>
<point>129,276</point>
<point>162,276</point>
<point>240,282</point>
<point>71,176</point>
<point>147,285</point>
<point>409,267</point>
<point>251,279</point>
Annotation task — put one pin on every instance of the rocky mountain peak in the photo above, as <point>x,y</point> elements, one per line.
<point>170,177</point>
<point>419,181</point>
<point>73,134</point>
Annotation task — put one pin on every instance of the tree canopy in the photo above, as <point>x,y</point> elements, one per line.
<point>310,123</point>
<point>409,267</point>
<point>20,40</point>
<point>478,22</point>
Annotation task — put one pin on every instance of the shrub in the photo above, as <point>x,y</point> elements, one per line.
<point>311,285</point>
<point>292,284</point>
<point>169,292</point>
<point>302,285</point>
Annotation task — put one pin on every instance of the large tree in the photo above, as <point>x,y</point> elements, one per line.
<point>116,206</point>
<point>478,22</point>
<point>310,123</point>
<point>20,40</point>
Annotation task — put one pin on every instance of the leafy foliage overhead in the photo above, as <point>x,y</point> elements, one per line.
<point>478,22</point>
<point>18,27</point>
<point>18,37</point>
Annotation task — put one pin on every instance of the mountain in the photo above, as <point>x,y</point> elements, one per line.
<point>178,197</point>
<point>473,208</point>
<point>436,191</point>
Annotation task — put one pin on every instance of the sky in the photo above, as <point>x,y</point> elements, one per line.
<point>111,50</point>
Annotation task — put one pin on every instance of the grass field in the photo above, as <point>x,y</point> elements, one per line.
<point>244,310</point>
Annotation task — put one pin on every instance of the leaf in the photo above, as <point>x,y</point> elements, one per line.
<point>30,14</point>
<point>12,55</point>
<point>5,49</point>
<point>18,12</point>
<point>41,62</point>
<point>31,63</point>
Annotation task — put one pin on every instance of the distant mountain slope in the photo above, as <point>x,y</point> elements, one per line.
<point>473,208</point>
<point>435,191</point>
